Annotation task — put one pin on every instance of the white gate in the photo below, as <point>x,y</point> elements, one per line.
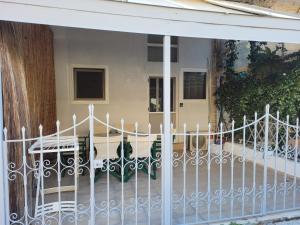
<point>113,175</point>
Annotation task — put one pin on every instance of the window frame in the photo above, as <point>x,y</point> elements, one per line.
<point>193,70</point>
<point>161,45</point>
<point>74,100</point>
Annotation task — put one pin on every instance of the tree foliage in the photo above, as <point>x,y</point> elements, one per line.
<point>272,78</point>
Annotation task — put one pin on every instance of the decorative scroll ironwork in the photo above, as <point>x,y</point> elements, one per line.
<point>217,176</point>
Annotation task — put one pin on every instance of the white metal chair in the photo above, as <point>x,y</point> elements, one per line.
<point>141,145</point>
<point>102,143</point>
<point>106,149</point>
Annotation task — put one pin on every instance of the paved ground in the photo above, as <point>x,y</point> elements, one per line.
<point>213,205</point>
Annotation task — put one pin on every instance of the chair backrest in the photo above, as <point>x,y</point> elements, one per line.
<point>102,144</point>
<point>141,145</point>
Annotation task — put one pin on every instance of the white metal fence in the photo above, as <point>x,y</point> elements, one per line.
<point>113,176</point>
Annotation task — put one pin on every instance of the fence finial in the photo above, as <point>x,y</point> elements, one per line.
<point>23,132</point>
<point>91,108</point>
<point>267,108</point>
<point>161,128</point>
<point>149,128</point>
<point>74,118</point>
<point>57,124</point>
<point>107,116</point>
<point>41,130</point>
<point>136,127</point>
<point>122,124</point>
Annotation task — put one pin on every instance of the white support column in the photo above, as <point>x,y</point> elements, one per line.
<point>4,219</point>
<point>166,140</point>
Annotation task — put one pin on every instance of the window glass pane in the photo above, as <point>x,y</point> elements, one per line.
<point>155,39</point>
<point>172,94</point>
<point>174,57</point>
<point>174,40</point>
<point>161,95</point>
<point>89,83</point>
<point>194,85</point>
<point>159,39</point>
<point>152,94</point>
<point>155,54</point>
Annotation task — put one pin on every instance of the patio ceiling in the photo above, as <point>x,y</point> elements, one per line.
<point>207,21</point>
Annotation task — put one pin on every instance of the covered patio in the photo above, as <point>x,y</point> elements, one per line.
<point>204,173</point>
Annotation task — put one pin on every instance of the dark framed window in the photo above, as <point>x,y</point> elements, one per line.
<point>194,85</point>
<point>89,84</point>
<point>155,48</point>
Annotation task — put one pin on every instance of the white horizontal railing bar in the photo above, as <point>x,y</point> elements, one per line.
<point>218,133</point>
<point>283,122</point>
<point>50,135</point>
<point>120,130</point>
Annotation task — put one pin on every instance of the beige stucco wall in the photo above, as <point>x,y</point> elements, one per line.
<point>124,55</point>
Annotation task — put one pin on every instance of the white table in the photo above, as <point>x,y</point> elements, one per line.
<point>48,145</point>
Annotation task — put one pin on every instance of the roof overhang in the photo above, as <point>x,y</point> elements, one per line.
<point>150,19</point>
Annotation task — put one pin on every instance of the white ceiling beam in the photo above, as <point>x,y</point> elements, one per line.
<point>137,18</point>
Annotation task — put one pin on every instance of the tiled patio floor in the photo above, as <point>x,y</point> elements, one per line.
<point>193,211</point>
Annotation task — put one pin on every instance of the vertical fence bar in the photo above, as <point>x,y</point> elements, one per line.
<point>184,173</point>
<point>167,150</point>
<point>92,169</point>
<point>136,171</point>
<point>264,206</point>
<point>244,168</point>
<point>254,164</point>
<point>285,160</point>
<point>107,170</point>
<point>25,176</point>
<point>276,157</point>
<point>76,169</point>
<point>42,172</point>
<point>232,170</point>
<point>5,191</point>
<point>149,174</point>
<point>197,170</point>
<point>208,174</point>
<point>295,164</point>
<point>59,171</point>
<point>221,170</point>
<point>122,171</point>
